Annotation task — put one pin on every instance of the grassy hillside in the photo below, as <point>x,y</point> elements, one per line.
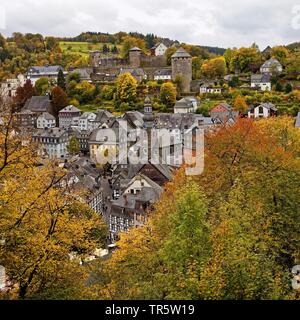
<point>83,48</point>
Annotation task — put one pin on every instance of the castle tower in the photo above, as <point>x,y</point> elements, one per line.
<point>182,67</point>
<point>135,57</point>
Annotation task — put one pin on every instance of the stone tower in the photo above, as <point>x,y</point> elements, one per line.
<point>135,57</point>
<point>182,67</point>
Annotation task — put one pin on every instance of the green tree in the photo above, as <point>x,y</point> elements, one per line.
<point>61,81</point>
<point>73,146</point>
<point>42,86</point>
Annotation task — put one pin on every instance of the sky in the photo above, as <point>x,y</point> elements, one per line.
<point>222,23</point>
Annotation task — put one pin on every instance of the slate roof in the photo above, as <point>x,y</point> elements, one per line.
<point>163,72</point>
<point>39,104</point>
<point>52,133</point>
<point>269,106</point>
<point>271,62</point>
<point>85,73</point>
<point>181,53</point>
<point>184,103</point>
<point>260,78</point>
<point>47,116</point>
<point>44,70</point>
<point>69,109</point>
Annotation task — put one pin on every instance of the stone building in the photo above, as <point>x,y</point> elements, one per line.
<point>135,57</point>
<point>182,67</point>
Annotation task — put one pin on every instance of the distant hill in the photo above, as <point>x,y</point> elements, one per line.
<point>216,50</point>
<point>293,46</point>
<point>151,39</point>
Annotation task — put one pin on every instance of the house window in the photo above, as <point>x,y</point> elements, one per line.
<point>261,110</point>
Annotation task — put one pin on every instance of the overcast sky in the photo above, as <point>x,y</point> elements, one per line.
<point>223,23</point>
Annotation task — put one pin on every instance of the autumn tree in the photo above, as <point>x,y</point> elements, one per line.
<point>59,99</point>
<point>23,93</point>
<point>42,222</point>
<point>280,53</point>
<point>129,42</point>
<point>214,68</point>
<point>235,227</point>
<point>240,105</point>
<point>126,90</point>
<point>168,94</point>
<point>245,60</point>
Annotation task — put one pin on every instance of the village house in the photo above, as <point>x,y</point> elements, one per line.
<point>186,105</point>
<point>9,87</point>
<point>264,110</point>
<point>271,66</point>
<point>50,72</point>
<point>131,210</point>
<point>210,87</point>
<point>26,119</point>
<point>83,176</point>
<point>53,142</point>
<point>261,82</point>
<point>87,121</point>
<point>45,120</point>
<point>39,105</point>
<point>159,50</point>
<point>69,116</point>
<point>104,119</point>
<point>223,114</point>
<point>103,141</point>
<point>84,73</point>
<point>83,137</point>
<point>163,74</point>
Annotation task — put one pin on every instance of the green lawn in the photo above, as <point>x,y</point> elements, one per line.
<point>83,48</point>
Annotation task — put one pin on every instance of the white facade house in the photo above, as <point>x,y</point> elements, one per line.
<point>270,66</point>
<point>210,89</point>
<point>9,87</point>
<point>87,121</point>
<point>264,110</point>
<point>261,82</point>
<point>53,142</point>
<point>45,120</point>
<point>159,50</point>
<point>163,74</point>
<point>186,105</point>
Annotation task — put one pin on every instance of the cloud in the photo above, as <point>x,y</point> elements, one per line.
<point>215,22</point>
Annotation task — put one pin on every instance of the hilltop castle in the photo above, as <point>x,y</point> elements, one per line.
<point>143,67</point>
